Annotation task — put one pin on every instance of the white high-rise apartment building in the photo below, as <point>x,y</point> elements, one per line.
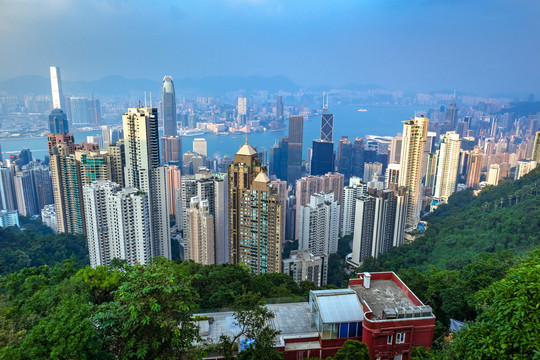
<point>242,106</point>
<point>379,223</point>
<point>523,167</point>
<point>319,224</point>
<point>447,166</point>
<point>494,174</point>
<point>309,185</point>
<point>199,233</point>
<point>56,87</point>
<point>7,193</point>
<point>117,224</point>
<point>391,176</point>
<point>214,190</point>
<point>142,171</point>
<point>350,193</point>
<point>410,171</point>
<point>200,146</point>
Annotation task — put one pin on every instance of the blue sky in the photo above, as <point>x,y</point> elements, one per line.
<point>472,46</point>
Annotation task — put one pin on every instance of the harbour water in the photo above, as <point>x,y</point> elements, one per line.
<point>377,120</point>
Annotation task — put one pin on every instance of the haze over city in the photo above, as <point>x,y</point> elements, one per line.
<point>269,180</point>
<point>485,47</point>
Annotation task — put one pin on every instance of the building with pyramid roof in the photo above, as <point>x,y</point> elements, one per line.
<point>255,214</point>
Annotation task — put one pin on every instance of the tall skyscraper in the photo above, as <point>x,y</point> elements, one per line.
<point>200,146</point>
<point>322,160</point>
<point>242,106</point>
<point>350,194</point>
<point>58,122</point>
<point>213,189</point>
<point>327,125</point>
<point>199,231</point>
<point>319,226</point>
<point>345,153</point>
<point>41,178</point>
<point>25,193</point>
<point>494,174</point>
<point>279,108</point>
<point>73,166</point>
<point>117,224</point>
<point>379,223</point>
<point>447,166</point>
<point>7,193</point>
<point>94,108</point>
<point>254,215</point>
<point>56,88</point>
<point>144,172</point>
<point>358,158</point>
<point>117,159</point>
<point>395,150</point>
<point>80,111</point>
<point>474,168</point>
<point>410,172</point>
<point>171,150</point>
<point>279,158</point>
<point>174,181</point>
<point>67,190</point>
<point>451,114</point>
<point>309,185</point>
<point>168,107</point>
<point>296,133</point>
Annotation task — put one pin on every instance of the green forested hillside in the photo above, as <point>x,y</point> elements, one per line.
<point>506,217</point>
<point>36,245</point>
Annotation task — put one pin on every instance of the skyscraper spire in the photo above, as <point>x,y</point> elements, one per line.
<point>168,107</point>
<point>56,88</point>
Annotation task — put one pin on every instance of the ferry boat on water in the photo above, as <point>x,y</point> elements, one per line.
<point>362,110</point>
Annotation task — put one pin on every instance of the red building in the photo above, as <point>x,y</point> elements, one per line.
<point>377,309</point>
<point>395,320</point>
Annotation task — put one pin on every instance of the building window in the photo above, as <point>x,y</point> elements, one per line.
<point>398,357</point>
<point>400,338</point>
<point>389,339</point>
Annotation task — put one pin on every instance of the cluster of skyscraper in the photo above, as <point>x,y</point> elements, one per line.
<point>123,191</point>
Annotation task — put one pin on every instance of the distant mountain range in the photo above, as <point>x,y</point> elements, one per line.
<point>121,86</point>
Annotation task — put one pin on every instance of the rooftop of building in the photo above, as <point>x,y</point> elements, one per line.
<point>246,149</point>
<point>387,295</point>
<point>262,177</point>
<point>338,305</point>
<point>290,319</point>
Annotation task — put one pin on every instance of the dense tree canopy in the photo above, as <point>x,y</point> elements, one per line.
<point>509,321</point>
<point>36,245</point>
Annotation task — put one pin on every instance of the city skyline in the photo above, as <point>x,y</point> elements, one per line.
<point>359,40</point>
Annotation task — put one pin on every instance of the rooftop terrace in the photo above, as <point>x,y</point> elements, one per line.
<point>383,294</point>
<point>292,318</point>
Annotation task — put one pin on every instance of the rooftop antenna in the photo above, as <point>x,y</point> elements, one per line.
<point>145,99</point>
<point>150,99</point>
<point>246,139</point>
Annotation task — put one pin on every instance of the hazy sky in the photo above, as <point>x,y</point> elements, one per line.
<point>469,45</point>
